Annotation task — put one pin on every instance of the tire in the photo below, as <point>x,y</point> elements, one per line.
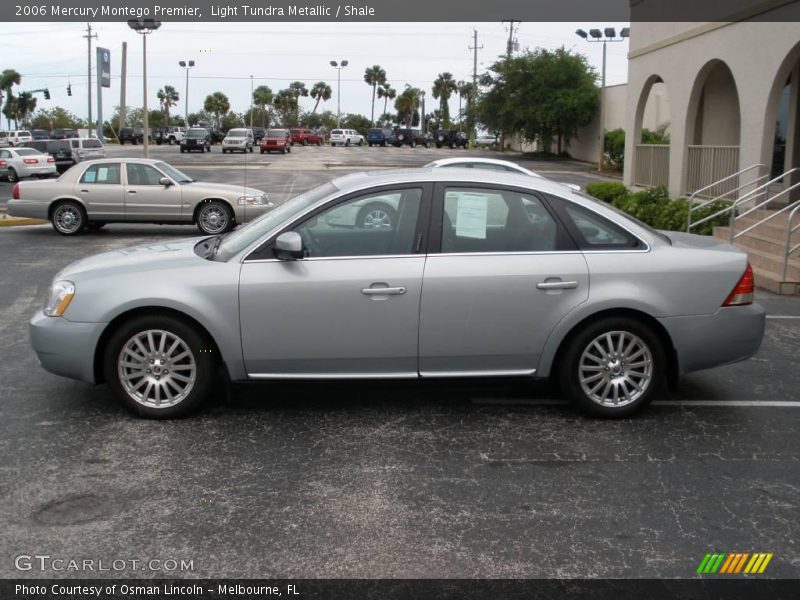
<point>621,390</point>
<point>438,145</point>
<point>361,142</point>
<point>305,142</point>
<point>413,143</point>
<point>319,142</point>
<point>383,144</point>
<point>214,217</point>
<point>139,366</point>
<point>262,151</point>
<point>347,142</point>
<point>376,216</point>
<point>452,145</point>
<point>428,144</point>
<point>183,150</point>
<point>284,150</point>
<point>13,177</point>
<point>171,141</point>
<point>68,218</point>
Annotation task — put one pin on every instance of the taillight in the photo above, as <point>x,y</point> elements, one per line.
<point>743,292</point>
<point>3,163</point>
<point>50,159</point>
<point>15,192</point>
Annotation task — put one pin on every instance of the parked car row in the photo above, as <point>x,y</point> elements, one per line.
<point>47,158</point>
<point>18,137</point>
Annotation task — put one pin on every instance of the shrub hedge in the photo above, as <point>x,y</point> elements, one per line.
<point>656,208</point>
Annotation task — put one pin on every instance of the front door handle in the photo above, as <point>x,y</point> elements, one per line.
<point>131,191</point>
<point>84,191</point>
<point>557,285</point>
<point>384,291</point>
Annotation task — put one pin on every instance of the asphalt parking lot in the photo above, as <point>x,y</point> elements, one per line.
<point>386,479</point>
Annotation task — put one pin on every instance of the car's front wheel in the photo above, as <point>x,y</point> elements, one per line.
<point>159,367</point>
<point>68,218</point>
<point>613,367</point>
<point>214,217</point>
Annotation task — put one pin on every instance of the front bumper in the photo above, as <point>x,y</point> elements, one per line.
<point>731,334</point>
<point>65,347</point>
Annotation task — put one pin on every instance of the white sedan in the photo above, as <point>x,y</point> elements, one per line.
<point>26,162</point>
<point>492,164</point>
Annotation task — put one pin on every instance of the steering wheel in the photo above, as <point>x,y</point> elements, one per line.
<point>309,243</point>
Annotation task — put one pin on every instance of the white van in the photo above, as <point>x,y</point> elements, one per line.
<point>4,139</point>
<point>87,149</point>
<point>15,138</point>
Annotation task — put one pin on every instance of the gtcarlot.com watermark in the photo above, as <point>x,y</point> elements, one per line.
<point>46,563</point>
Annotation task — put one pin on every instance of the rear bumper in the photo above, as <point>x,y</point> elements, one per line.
<point>28,171</point>
<point>28,208</point>
<point>731,334</point>
<point>64,347</point>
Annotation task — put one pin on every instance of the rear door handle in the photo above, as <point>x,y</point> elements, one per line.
<point>131,191</point>
<point>557,285</point>
<point>384,291</point>
<point>84,191</point>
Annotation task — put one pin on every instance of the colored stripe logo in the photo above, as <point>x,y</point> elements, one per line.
<point>732,563</point>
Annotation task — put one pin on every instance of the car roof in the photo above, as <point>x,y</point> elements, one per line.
<point>479,160</point>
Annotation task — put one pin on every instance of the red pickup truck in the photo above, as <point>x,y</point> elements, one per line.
<point>306,137</point>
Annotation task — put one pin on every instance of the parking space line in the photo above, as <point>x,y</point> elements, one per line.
<point>783,316</point>
<point>711,403</point>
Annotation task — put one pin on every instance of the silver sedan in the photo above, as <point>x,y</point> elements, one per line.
<point>129,190</point>
<point>465,283</point>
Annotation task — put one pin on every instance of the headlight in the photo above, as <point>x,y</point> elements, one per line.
<point>262,200</point>
<point>61,294</point>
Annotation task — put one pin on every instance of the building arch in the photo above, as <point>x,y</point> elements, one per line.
<point>651,164</point>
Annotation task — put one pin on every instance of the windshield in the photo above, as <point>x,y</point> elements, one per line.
<point>276,133</point>
<point>242,237</point>
<point>196,133</point>
<point>237,133</point>
<point>92,144</point>
<point>27,151</point>
<point>174,173</point>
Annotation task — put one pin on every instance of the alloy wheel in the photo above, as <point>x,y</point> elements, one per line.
<point>615,369</point>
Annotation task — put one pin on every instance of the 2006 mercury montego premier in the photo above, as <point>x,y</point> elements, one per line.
<point>131,190</point>
<point>481,274</point>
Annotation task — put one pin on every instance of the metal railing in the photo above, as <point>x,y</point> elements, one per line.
<point>701,192</point>
<point>652,165</point>
<point>789,231</point>
<point>711,165</point>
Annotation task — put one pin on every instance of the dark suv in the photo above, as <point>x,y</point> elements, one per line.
<point>196,138</point>
<point>411,137</point>
<point>63,134</point>
<point>450,137</point>
<point>60,150</point>
<point>134,135</point>
<point>258,134</point>
<point>380,136</point>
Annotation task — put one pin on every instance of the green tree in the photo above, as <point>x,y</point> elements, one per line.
<point>168,97</point>
<point>407,106</point>
<point>25,105</point>
<point>374,76</point>
<point>8,79</point>
<point>285,104</point>
<point>217,104</point>
<point>443,87</point>
<point>320,91</point>
<point>297,89</point>
<point>55,118</point>
<point>325,120</point>
<point>386,92</point>
<point>542,95</point>
<point>262,97</point>
<point>231,120</point>
<point>358,122</point>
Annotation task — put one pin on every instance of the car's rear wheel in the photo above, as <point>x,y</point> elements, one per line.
<point>413,143</point>
<point>347,142</point>
<point>452,145</point>
<point>319,142</point>
<point>428,144</point>
<point>376,216</point>
<point>68,218</point>
<point>214,217</point>
<point>13,177</point>
<point>305,142</point>
<point>159,367</point>
<point>613,367</point>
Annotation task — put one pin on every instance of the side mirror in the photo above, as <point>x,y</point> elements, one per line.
<point>288,246</point>
<point>165,181</point>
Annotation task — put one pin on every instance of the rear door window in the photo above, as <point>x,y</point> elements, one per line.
<point>102,173</point>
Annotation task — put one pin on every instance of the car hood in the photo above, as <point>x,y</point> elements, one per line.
<point>273,138</point>
<point>134,259</point>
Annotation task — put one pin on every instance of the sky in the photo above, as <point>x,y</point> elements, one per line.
<point>53,55</point>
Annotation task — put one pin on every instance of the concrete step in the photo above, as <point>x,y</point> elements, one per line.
<point>772,281</point>
<point>759,238</point>
<point>772,263</point>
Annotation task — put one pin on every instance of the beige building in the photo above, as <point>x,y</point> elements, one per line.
<point>732,90</point>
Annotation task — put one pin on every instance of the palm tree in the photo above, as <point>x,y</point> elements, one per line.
<point>286,104</point>
<point>262,96</point>
<point>443,87</point>
<point>297,89</point>
<point>407,104</point>
<point>217,104</point>
<point>25,105</point>
<point>168,97</point>
<point>374,76</point>
<point>386,92</point>
<point>320,91</point>
<point>8,79</point>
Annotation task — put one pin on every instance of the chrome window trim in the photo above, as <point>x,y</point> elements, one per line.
<point>354,257</point>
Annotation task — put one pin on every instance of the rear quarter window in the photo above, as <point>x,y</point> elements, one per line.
<point>593,231</point>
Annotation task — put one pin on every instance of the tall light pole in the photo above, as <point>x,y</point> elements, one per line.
<point>423,122</point>
<point>597,36</point>
<point>144,27</point>
<point>339,67</point>
<point>251,101</point>
<point>186,66</point>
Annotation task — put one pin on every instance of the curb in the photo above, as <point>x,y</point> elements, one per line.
<point>6,221</point>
